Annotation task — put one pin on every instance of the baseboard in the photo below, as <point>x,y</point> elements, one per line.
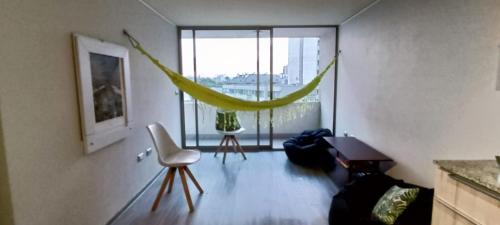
<point>134,199</point>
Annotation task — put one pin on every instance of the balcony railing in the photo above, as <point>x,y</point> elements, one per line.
<point>288,121</point>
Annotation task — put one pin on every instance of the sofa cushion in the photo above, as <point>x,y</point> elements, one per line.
<point>363,193</point>
<point>393,203</point>
<point>354,203</point>
<point>420,211</point>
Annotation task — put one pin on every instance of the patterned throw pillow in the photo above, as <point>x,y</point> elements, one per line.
<point>393,203</point>
<point>227,121</point>
<point>219,121</point>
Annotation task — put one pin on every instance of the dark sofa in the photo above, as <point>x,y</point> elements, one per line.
<point>308,149</point>
<point>354,203</point>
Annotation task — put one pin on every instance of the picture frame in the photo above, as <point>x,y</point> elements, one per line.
<point>103,75</point>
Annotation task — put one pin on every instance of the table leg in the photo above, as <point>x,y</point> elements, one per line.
<point>376,166</point>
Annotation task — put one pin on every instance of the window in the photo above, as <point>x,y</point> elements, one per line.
<point>255,64</point>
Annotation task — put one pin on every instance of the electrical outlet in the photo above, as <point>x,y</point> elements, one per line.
<point>140,156</point>
<point>149,151</point>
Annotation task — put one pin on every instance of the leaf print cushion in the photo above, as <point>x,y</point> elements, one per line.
<point>219,121</point>
<point>393,203</point>
<point>227,121</point>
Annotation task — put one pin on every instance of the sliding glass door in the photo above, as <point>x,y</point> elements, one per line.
<point>227,61</point>
<point>254,64</point>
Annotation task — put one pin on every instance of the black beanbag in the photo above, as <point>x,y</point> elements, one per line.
<point>308,149</point>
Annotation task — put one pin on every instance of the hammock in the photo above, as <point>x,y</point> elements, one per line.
<point>223,101</point>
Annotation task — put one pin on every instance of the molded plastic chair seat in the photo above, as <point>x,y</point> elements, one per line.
<point>231,132</point>
<point>182,158</point>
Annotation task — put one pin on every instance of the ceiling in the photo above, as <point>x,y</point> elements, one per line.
<point>257,12</point>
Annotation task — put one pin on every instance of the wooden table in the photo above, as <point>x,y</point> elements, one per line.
<point>355,155</point>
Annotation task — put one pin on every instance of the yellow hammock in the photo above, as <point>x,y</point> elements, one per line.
<point>223,101</point>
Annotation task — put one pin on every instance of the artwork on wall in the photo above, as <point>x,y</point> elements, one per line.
<point>104,91</point>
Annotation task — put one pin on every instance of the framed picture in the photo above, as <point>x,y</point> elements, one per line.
<point>104,91</point>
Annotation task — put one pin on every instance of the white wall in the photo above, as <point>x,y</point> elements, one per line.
<point>417,81</point>
<point>327,85</point>
<point>51,180</point>
<point>5,200</point>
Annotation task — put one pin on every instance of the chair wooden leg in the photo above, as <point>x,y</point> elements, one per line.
<point>171,180</point>
<point>225,151</point>
<point>220,146</point>
<point>193,179</point>
<point>232,143</point>
<point>240,148</point>
<point>186,189</point>
<point>162,189</point>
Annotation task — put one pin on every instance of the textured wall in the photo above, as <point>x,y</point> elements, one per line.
<point>326,87</point>
<point>417,80</point>
<point>5,200</point>
<point>51,180</point>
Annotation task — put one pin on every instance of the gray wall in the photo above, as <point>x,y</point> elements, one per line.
<point>327,85</point>
<point>51,180</point>
<point>5,200</point>
<point>417,80</point>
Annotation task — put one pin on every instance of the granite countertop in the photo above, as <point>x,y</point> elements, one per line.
<point>485,173</point>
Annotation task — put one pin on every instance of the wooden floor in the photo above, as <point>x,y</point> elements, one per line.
<point>265,189</point>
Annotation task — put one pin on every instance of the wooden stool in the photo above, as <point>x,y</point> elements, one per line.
<point>230,136</point>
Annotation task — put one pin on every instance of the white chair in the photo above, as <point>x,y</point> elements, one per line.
<point>227,124</point>
<point>169,155</point>
<point>230,136</point>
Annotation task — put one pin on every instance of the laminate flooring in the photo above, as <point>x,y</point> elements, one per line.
<point>263,190</point>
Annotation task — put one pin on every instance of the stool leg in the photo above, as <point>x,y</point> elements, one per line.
<point>186,189</point>
<point>233,143</point>
<point>240,148</point>
<point>220,146</point>
<point>225,151</point>
<point>193,179</point>
<point>162,189</point>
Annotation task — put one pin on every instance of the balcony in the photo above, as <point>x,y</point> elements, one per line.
<point>288,121</point>
<point>258,64</point>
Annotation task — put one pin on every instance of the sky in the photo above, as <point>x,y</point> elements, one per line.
<point>232,56</point>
